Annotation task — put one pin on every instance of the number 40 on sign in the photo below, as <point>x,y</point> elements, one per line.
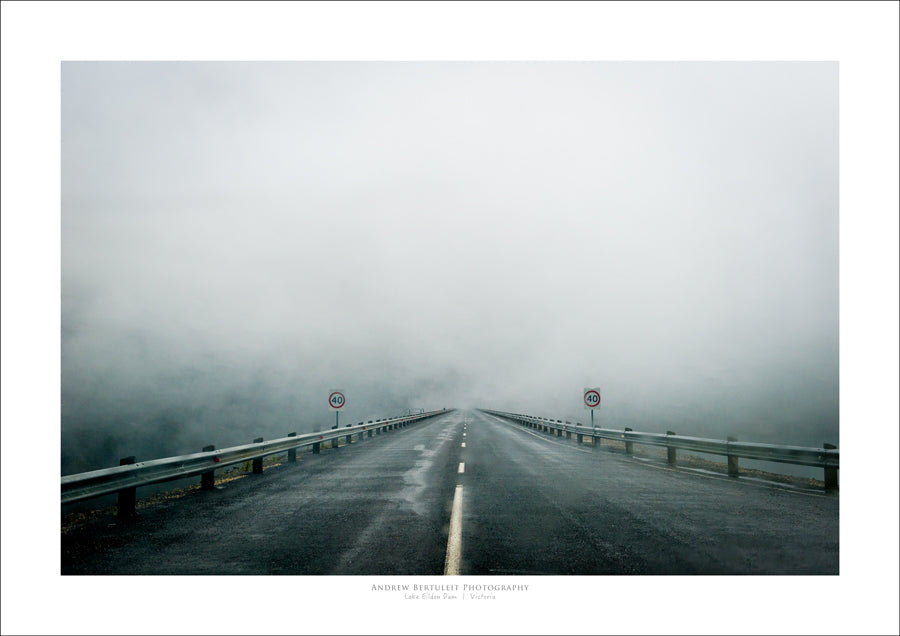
<point>336,400</point>
<point>592,398</point>
<point>592,401</point>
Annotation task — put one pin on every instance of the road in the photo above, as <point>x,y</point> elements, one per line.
<point>470,493</point>
<point>537,504</point>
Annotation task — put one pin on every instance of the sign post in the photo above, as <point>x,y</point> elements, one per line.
<point>336,402</point>
<point>592,401</point>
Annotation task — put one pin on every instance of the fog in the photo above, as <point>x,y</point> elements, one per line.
<point>240,238</point>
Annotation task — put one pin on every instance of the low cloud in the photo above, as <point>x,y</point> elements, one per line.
<point>238,239</point>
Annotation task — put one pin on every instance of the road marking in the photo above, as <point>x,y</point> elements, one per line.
<point>543,438</point>
<point>681,470</point>
<point>743,481</point>
<point>463,444</point>
<point>462,468</point>
<point>454,541</point>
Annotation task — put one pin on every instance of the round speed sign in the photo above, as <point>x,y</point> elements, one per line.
<point>591,398</point>
<point>336,400</point>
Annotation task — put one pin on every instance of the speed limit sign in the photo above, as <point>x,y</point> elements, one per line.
<point>592,398</point>
<point>336,400</point>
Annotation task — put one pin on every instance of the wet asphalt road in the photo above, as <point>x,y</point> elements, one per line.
<point>537,504</point>
<point>377,506</point>
<point>530,504</point>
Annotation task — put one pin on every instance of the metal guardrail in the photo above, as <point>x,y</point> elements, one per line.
<point>124,479</point>
<point>826,457</point>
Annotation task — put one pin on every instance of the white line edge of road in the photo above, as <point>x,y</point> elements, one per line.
<point>540,437</point>
<point>454,540</point>
<point>747,481</point>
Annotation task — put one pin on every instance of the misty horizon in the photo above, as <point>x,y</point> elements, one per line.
<point>240,238</point>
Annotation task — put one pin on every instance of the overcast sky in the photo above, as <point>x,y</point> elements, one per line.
<point>239,238</point>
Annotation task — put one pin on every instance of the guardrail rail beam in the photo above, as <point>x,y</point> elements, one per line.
<point>129,475</point>
<point>827,458</point>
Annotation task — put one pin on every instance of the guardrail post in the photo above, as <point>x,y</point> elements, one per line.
<point>670,452</point>
<point>317,447</point>
<point>732,461</point>
<point>629,446</point>
<point>595,440</point>
<point>127,497</point>
<point>831,473</point>
<point>369,432</point>
<point>257,463</point>
<point>208,479</point>
<point>292,452</point>
<point>580,438</point>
